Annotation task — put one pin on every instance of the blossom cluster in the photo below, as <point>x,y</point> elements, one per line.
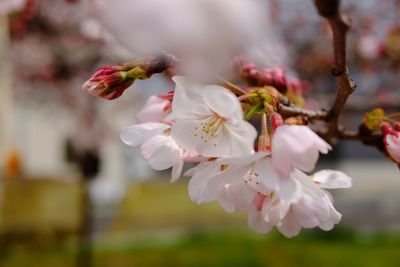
<point>266,173</point>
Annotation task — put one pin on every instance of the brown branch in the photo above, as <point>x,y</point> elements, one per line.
<point>329,9</point>
<point>289,111</point>
<point>375,140</point>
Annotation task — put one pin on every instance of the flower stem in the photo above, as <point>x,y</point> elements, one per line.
<point>264,140</point>
<point>264,126</point>
<point>393,116</point>
<point>233,88</point>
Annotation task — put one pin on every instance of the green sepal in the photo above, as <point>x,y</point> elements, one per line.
<point>253,110</point>
<point>372,120</point>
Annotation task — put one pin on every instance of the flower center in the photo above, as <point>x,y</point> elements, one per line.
<point>252,178</point>
<point>210,128</point>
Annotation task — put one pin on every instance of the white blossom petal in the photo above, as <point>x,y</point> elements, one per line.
<point>176,171</point>
<point>137,134</point>
<point>289,226</point>
<point>331,179</point>
<point>199,191</point>
<point>149,147</point>
<point>289,190</point>
<point>298,146</point>
<point>222,102</point>
<point>165,157</point>
<point>188,101</point>
<point>230,175</point>
<point>334,218</point>
<point>268,176</point>
<point>257,223</point>
<point>236,196</point>
<point>274,210</point>
<point>154,110</point>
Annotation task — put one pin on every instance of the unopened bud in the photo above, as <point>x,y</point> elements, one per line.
<point>275,77</point>
<point>264,77</point>
<point>110,82</point>
<point>276,121</point>
<point>250,73</point>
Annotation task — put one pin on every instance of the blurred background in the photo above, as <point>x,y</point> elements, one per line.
<point>71,194</point>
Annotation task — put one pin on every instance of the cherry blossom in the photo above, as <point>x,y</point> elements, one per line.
<point>239,189</point>
<point>313,209</point>
<point>331,179</point>
<point>157,146</point>
<point>296,146</point>
<point>209,120</point>
<point>256,171</point>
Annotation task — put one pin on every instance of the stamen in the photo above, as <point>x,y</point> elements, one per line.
<point>210,128</point>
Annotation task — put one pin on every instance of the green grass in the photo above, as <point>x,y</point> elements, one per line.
<point>217,249</point>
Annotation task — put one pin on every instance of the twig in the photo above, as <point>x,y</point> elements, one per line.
<point>375,140</point>
<point>329,9</point>
<point>288,111</point>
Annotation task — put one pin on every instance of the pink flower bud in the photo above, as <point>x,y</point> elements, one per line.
<point>279,76</point>
<point>275,77</point>
<point>276,121</point>
<point>108,82</point>
<point>250,73</point>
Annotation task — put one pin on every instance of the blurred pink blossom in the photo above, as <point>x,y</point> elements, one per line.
<point>203,34</point>
<point>8,6</point>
